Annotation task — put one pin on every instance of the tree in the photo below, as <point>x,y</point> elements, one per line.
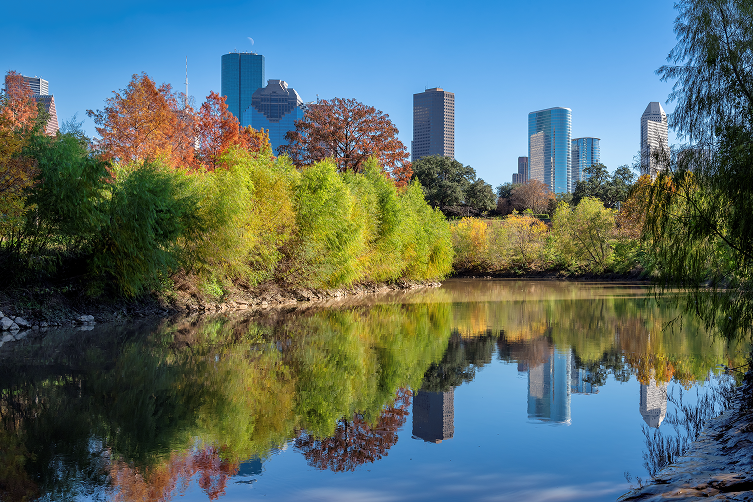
<point>533,195</point>
<point>444,180</point>
<point>583,234</point>
<point>349,133</point>
<point>700,225</point>
<point>141,122</point>
<point>218,130</point>
<point>598,183</point>
<point>480,196</point>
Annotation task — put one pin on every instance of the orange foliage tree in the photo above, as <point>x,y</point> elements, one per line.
<point>355,441</point>
<point>218,130</point>
<point>349,133</point>
<point>18,120</point>
<point>533,195</point>
<point>144,121</point>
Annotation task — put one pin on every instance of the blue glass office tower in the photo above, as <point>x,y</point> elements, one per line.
<point>242,75</point>
<point>585,153</point>
<point>276,108</point>
<point>549,148</point>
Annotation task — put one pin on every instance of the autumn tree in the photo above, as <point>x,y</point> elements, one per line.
<point>218,130</point>
<point>144,121</point>
<point>533,195</point>
<point>140,122</point>
<point>19,119</point>
<point>349,133</point>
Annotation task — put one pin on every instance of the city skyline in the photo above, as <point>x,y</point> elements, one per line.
<point>491,109</point>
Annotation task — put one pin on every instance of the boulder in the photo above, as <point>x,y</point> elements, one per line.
<point>86,319</point>
<point>6,323</point>
<point>22,323</point>
<point>22,334</point>
<point>8,338</point>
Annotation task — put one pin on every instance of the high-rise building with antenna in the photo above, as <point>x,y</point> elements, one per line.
<point>242,75</point>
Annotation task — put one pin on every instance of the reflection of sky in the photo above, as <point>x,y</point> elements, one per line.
<point>496,453</point>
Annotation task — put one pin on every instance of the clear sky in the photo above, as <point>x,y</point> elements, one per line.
<point>501,59</point>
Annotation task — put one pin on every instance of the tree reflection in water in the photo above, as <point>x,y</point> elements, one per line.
<point>355,441</point>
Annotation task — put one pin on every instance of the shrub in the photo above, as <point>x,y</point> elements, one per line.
<point>582,235</point>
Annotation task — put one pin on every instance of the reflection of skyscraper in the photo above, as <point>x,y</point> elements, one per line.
<point>580,381</point>
<point>549,389</point>
<point>434,415</point>
<point>653,405</point>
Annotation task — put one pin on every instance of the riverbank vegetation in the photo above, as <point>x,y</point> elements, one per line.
<point>170,191</point>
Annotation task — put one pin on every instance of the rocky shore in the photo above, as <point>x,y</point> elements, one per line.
<point>719,465</point>
<point>34,311</point>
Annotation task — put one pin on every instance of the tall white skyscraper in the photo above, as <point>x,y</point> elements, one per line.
<point>654,138</point>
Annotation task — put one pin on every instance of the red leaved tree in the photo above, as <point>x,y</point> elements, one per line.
<point>348,132</point>
<point>219,130</point>
<point>19,109</point>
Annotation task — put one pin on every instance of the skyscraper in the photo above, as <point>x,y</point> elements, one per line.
<point>585,152</point>
<point>654,138</point>
<point>242,75</point>
<point>433,124</point>
<point>275,107</point>
<point>40,90</point>
<point>549,389</point>
<point>522,175</point>
<point>549,148</point>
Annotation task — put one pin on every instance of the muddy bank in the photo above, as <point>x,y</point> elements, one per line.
<point>719,465</point>
<point>48,307</point>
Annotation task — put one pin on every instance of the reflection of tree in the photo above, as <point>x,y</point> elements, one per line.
<point>172,477</point>
<point>355,441</point>
<point>461,359</point>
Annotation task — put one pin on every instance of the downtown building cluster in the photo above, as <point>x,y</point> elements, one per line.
<point>40,90</point>
<point>559,161</point>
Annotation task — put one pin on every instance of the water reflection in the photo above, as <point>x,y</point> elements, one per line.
<point>201,405</point>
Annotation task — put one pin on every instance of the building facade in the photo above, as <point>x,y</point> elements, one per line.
<point>522,175</point>
<point>549,148</point>
<point>434,415</point>
<point>275,107</point>
<point>433,124</point>
<point>242,75</point>
<point>654,138</point>
<point>585,152</point>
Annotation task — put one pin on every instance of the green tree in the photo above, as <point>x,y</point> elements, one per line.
<point>445,180</point>
<point>480,196</point>
<point>598,183</point>
<point>700,225</point>
<point>582,235</point>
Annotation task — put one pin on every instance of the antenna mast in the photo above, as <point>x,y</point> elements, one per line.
<point>185,97</point>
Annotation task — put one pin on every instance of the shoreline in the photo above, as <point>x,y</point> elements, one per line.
<point>718,465</point>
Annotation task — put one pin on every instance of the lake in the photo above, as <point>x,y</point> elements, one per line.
<point>479,390</point>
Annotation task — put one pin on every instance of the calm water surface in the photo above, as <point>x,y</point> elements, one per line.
<point>479,390</point>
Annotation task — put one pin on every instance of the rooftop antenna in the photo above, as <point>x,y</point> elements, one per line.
<point>185,97</point>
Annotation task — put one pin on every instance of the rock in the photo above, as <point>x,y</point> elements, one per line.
<point>8,338</point>
<point>44,324</point>
<point>23,323</point>
<point>21,335</point>
<point>6,323</point>
<point>86,327</point>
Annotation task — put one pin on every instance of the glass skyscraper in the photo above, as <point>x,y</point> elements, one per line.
<point>242,75</point>
<point>585,153</point>
<point>276,108</point>
<point>549,148</point>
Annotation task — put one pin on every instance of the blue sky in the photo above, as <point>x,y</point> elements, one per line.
<point>501,59</point>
